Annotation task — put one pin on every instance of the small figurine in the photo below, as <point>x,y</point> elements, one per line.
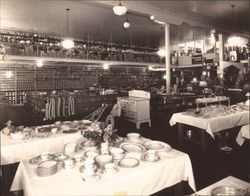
<point>9,128</point>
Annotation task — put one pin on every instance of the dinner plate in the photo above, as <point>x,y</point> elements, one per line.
<point>129,162</point>
<point>157,146</point>
<point>132,147</point>
<point>224,190</point>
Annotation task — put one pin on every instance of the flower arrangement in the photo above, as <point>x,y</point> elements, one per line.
<point>98,133</point>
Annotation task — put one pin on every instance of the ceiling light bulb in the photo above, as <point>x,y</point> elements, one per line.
<point>161,52</point>
<point>204,73</point>
<point>126,24</point>
<point>165,77</point>
<point>105,66</point>
<point>68,43</point>
<point>39,63</point>
<point>152,17</point>
<point>120,10</point>
<point>8,74</point>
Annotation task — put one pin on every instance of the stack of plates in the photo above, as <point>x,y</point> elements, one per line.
<point>47,168</point>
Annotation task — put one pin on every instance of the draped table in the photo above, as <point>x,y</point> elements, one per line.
<point>145,179</point>
<point>13,151</point>
<point>229,181</point>
<point>207,125</point>
<point>243,134</point>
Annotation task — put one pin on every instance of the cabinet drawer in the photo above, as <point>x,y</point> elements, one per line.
<point>133,115</point>
<point>132,106</point>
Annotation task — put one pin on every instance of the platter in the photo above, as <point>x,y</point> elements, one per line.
<point>129,162</point>
<point>132,147</point>
<point>225,190</point>
<point>157,146</point>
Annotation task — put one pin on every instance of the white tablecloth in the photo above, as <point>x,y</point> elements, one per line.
<point>146,179</point>
<point>214,124</point>
<point>229,181</point>
<point>13,151</point>
<point>243,134</point>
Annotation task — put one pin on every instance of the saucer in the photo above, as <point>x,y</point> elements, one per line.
<point>145,158</point>
<point>110,173</point>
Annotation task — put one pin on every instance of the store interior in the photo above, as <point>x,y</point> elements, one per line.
<point>84,55</point>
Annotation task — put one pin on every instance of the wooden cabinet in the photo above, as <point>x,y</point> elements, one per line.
<point>136,110</point>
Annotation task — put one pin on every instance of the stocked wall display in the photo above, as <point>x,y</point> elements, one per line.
<point>92,79</point>
<point>34,44</point>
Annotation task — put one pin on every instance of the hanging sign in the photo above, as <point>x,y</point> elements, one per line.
<point>197,59</point>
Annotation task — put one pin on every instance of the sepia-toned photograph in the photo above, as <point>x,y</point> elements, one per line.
<point>125,97</point>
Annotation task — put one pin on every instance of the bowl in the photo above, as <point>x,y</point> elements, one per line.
<point>116,152</point>
<point>133,137</point>
<point>16,136</point>
<point>103,159</point>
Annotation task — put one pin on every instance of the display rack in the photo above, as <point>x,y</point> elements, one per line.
<point>42,45</point>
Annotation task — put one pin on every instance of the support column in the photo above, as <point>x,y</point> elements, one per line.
<point>167,57</point>
<point>221,54</point>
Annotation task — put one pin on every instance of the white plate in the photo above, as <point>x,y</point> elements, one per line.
<point>132,147</point>
<point>157,146</point>
<point>128,162</point>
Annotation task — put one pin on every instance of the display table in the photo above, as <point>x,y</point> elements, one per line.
<point>13,151</point>
<point>207,125</point>
<point>229,181</point>
<point>243,134</point>
<point>145,179</point>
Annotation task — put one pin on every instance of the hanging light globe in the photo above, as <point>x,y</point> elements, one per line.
<point>126,24</point>
<point>119,9</point>
<point>68,43</point>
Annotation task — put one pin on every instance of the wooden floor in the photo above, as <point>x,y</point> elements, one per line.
<point>206,170</point>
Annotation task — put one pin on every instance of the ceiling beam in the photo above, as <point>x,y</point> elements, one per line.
<point>174,18</point>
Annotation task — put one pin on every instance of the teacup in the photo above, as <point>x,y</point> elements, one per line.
<point>89,164</point>
<point>109,167</point>
<point>44,155</point>
<point>53,130</point>
<point>117,152</point>
<point>151,154</point>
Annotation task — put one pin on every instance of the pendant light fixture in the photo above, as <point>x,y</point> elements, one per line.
<point>119,9</point>
<point>126,24</point>
<point>68,43</point>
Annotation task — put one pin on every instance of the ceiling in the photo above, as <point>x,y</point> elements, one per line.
<point>96,21</point>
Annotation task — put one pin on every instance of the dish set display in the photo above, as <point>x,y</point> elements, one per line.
<point>23,133</point>
<point>217,110</point>
<point>97,161</point>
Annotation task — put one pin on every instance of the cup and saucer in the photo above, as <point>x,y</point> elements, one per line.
<point>151,156</point>
<point>109,169</point>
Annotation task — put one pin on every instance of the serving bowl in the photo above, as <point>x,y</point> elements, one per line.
<point>133,137</point>
<point>103,159</point>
